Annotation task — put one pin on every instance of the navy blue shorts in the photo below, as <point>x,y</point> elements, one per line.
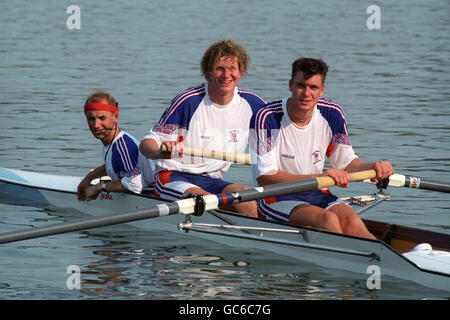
<point>279,208</point>
<point>171,185</point>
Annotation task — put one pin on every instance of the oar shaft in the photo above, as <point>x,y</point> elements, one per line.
<point>420,183</point>
<point>399,180</point>
<point>242,158</point>
<point>184,206</point>
<point>279,189</point>
<point>89,223</point>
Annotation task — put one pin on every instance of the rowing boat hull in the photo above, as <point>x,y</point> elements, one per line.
<point>59,192</point>
<point>305,244</point>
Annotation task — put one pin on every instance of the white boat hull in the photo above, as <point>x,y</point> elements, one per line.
<point>323,248</point>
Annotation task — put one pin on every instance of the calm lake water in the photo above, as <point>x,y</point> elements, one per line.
<point>393,83</point>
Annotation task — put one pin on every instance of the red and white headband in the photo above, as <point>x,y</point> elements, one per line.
<point>100,106</point>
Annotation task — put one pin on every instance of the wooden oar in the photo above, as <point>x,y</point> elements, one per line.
<point>184,206</point>
<point>399,180</point>
<point>242,158</point>
<point>395,180</point>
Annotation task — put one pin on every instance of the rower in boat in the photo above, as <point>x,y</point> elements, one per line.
<point>128,169</point>
<point>214,115</point>
<point>292,138</point>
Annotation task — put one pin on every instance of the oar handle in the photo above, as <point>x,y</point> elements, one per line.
<point>242,158</point>
<point>327,181</point>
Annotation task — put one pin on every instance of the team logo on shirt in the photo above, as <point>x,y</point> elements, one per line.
<point>233,136</point>
<point>316,157</point>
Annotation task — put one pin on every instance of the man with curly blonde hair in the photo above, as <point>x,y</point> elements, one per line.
<point>212,116</point>
<point>223,49</point>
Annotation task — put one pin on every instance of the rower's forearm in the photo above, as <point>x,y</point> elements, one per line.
<point>115,186</point>
<point>150,149</point>
<point>96,173</point>
<point>358,165</point>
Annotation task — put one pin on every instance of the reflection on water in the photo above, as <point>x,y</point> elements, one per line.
<point>174,273</point>
<point>191,272</point>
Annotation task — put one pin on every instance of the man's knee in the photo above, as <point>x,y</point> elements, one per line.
<point>234,187</point>
<point>330,221</point>
<point>351,222</point>
<point>195,190</point>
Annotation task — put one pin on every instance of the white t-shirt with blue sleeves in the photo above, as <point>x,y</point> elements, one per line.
<point>205,125</point>
<point>281,145</point>
<point>124,162</point>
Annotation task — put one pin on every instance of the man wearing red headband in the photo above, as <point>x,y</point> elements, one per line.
<point>128,169</point>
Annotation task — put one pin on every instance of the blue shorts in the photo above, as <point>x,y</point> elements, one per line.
<point>279,208</point>
<point>171,185</point>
